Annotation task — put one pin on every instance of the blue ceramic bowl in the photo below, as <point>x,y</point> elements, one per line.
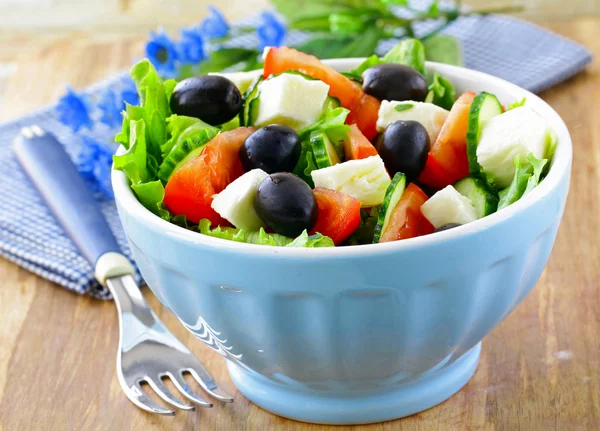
<point>356,334</point>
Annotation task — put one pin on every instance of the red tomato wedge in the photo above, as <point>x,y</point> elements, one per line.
<point>190,190</point>
<point>364,108</point>
<point>357,146</point>
<point>406,220</point>
<point>447,161</point>
<point>339,214</point>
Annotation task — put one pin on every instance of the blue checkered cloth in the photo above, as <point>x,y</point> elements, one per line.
<point>502,46</point>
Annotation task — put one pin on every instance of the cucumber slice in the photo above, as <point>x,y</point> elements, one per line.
<point>392,196</point>
<point>484,107</point>
<point>182,153</point>
<point>249,97</point>
<point>323,149</point>
<point>484,199</point>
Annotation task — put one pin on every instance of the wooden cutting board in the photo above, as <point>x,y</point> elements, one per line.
<point>539,370</point>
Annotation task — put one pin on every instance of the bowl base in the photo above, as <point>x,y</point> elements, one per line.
<point>351,409</point>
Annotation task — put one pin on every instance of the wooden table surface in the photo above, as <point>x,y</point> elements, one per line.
<point>539,370</point>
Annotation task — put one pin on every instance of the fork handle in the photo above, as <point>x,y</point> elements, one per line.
<point>54,175</point>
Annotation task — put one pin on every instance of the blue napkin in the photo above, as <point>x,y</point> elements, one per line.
<point>506,47</point>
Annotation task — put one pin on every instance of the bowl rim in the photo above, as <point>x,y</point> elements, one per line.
<point>560,168</point>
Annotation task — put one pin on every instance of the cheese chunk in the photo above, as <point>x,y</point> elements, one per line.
<point>242,80</point>
<point>236,203</point>
<point>432,117</point>
<point>290,100</point>
<point>518,131</point>
<point>365,179</point>
<point>448,206</point>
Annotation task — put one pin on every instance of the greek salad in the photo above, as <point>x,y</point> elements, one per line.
<point>300,155</point>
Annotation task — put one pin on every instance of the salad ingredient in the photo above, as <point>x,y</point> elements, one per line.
<point>286,204</point>
<point>518,131</point>
<point>404,146</point>
<point>448,206</point>
<point>236,203</point>
<point>441,92</point>
<point>261,237</point>
<point>364,179</point>
<point>250,110</point>
<point>184,151</point>
<point>483,198</point>
<point>291,100</point>
<point>339,214</point>
<point>180,128</point>
<point>190,190</point>
<point>430,116</point>
<point>213,99</point>
<point>392,197</point>
<point>391,81</point>
<point>406,220</point>
<point>448,161</point>
<point>364,107</point>
<point>409,52</point>
<point>447,227</point>
<point>527,176</point>
<point>364,233</point>
<point>273,148</point>
<point>242,80</point>
<point>356,146</point>
<point>484,107</point>
<point>323,150</point>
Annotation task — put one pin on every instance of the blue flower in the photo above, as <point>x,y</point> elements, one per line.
<point>162,53</point>
<point>111,109</point>
<point>94,163</point>
<point>215,25</point>
<point>130,94</point>
<point>73,110</point>
<point>271,31</point>
<point>190,47</point>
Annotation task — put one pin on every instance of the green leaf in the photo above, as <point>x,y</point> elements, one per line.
<point>311,241</point>
<point>180,221</point>
<point>538,169</point>
<point>365,232</point>
<point>337,46</point>
<point>181,128</point>
<point>369,62</point>
<point>225,58</point>
<point>306,163</point>
<point>263,238</point>
<point>151,195</point>
<point>441,92</point>
<point>517,187</point>
<point>434,10</point>
<point>346,23</point>
<point>312,23</point>
<point>403,107</point>
<point>134,161</point>
<point>131,113</point>
<point>395,2</point>
<point>516,104</point>
<point>409,52</point>
<point>298,10</point>
<point>443,49</point>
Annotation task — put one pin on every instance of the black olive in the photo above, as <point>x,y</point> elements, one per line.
<point>273,148</point>
<point>286,204</point>
<point>211,98</point>
<point>394,82</point>
<point>447,226</point>
<point>404,146</point>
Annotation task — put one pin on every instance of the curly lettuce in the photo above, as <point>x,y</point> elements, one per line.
<point>528,174</point>
<point>261,237</point>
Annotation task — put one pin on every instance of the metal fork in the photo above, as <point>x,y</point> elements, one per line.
<point>148,352</point>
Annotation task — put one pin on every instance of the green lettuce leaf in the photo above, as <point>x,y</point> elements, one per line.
<point>528,174</point>
<point>263,238</point>
<point>134,161</point>
<point>151,195</point>
<point>443,49</point>
<point>366,230</point>
<point>333,123</point>
<point>516,104</point>
<point>441,92</point>
<point>181,128</point>
<point>369,62</point>
<point>409,52</point>
<point>538,166</point>
<point>131,113</point>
